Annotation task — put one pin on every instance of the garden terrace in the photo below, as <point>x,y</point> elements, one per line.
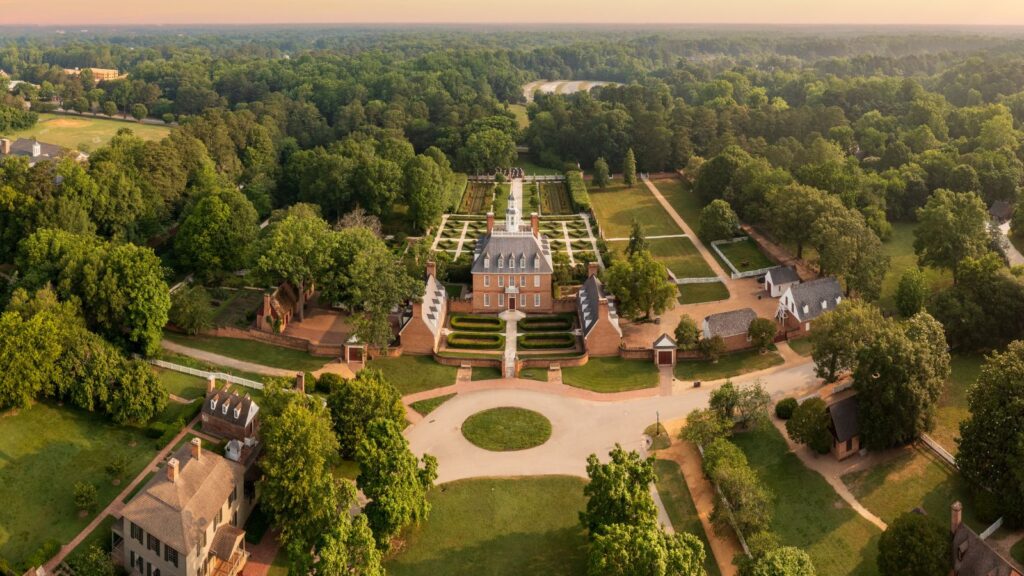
<point>547,341</point>
<point>556,323</point>
<point>554,198</point>
<point>476,323</point>
<point>475,340</point>
<point>477,199</point>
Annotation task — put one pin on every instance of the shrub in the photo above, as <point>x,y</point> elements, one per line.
<point>547,341</point>
<point>477,323</point>
<point>809,425</point>
<point>557,323</point>
<point>784,409</point>
<point>578,190</point>
<point>85,496</point>
<point>476,341</point>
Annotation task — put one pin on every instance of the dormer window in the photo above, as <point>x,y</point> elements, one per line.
<point>838,300</point>
<point>522,261</point>
<point>213,403</point>
<point>238,411</point>
<point>824,304</point>
<point>487,261</point>
<point>501,262</point>
<point>512,262</point>
<point>807,309</point>
<point>224,408</point>
<point>536,262</point>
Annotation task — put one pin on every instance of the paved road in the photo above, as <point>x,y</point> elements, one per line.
<point>580,427</point>
<point>1012,254</point>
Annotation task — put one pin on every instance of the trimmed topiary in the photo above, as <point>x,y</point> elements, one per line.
<point>785,407</point>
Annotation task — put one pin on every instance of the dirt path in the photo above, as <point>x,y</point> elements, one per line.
<point>225,360</point>
<point>117,504</point>
<point>704,252</point>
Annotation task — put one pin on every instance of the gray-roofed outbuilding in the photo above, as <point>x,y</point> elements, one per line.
<point>726,324</point>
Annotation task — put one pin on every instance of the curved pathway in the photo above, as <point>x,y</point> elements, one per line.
<point>227,361</point>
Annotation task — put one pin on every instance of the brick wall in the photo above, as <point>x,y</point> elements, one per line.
<point>524,299</point>
<point>276,340</point>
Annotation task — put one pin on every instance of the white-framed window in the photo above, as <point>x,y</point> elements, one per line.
<point>536,262</point>
<point>522,280</point>
<point>487,300</point>
<point>511,262</point>
<point>536,300</point>
<point>487,280</point>
<point>501,300</point>
<point>536,281</point>
<point>511,280</point>
<point>487,261</point>
<point>501,281</point>
<point>501,263</point>
<point>522,261</point>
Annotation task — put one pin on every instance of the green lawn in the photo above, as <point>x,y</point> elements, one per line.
<point>617,206</point>
<point>98,537</point>
<point>498,527</point>
<point>45,450</point>
<point>1018,551</point>
<point>802,346</point>
<point>612,374</point>
<point>412,374</point>
<point>201,365</point>
<point>519,111</point>
<point>500,201</point>
<point>180,384</point>
<point>252,351</point>
<point>525,161</point>
<point>686,203</point>
<point>745,256</point>
<point>679,504</point>
<point>952,407</point>
<point>913,479</point>
<point>539,374</point>
<point>82,132</point>
<point>485,373</point>
<point>507,429</point>
<point>727,366</point>
<point>900,249</point>
<point>808,512</point>
<point>698,293</point>
<point>427,406</point>
<point>678,255</point>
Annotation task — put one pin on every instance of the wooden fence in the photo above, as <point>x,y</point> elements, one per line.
<point>204,374</point>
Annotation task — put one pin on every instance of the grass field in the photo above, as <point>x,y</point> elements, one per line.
<point>425,407</point>
<point>526,162</point>
<point>912,479</point>
<point>727,366</point>
<point>678,255</point>
<point>84,133</point>
<point>522,118</point>
<point>952,407</point>
<point>207,366</point>
<point>900,249</point>
<point>181,384</point>
<point>507,429</point>
<point>617,206</point>
<point>744,256</point>
<point>47,449</point>
<point>679,505</point>
<point>498,527</point>
<point>414,373</point>
<point>808,512</point>
<point>802,346</point>
<point>611,375</point>
<point>698,293</point>
<point>251,351</point>
<point>485,373</point>
<point>685,201</point>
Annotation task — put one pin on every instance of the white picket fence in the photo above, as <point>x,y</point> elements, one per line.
<point>734,272</point>
<point>938,449</point>
<point>205,375</point>
<point>703,280</point>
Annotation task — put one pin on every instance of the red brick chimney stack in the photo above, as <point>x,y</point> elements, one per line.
<point>172,470</point>
<point>592,269</point>
<point>957,510</point>
<point>490,222</point>
<point>300,382</point>
<point>197,448</point>
<point>211,383</point>
<point>535,224</point>
<point>431,268</point>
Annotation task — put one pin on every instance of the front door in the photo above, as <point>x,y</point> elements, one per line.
<point>664,357</point>
<point>511,302</point>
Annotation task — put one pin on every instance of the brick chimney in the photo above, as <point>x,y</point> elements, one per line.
<point>592,269</point>
<point>431,268</point>
<point>172,470</point>
<point>490,222</point>
<point>300,382</point>
<point>197,448</point>
<point>5,146</point>
<point>211,383</point>
<point>956,516</point>
<point>535,224</point>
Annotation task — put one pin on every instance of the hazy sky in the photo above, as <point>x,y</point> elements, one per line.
<point>948,12</point>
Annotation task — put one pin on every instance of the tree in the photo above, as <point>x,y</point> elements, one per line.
<point>191,309</point>
<point>85,496</point>
<point>641,285</point>
<point>116,467</point>
<point>425,188</point>
<point>911,292</point>
<point>601,174</point>
<point>914,545</point>
<point>637,240</point>
<point>793,210</point>
<point>687,333</point>
<point>109,108</point>
<point>139,111</point>
<point>718,221</point>
<point>217,233</point>
<point>762,332</point>
<point>355,402</point>
<point>296,249</point>
<point>378,283</point>
<point>94,562</point>
<point>29,349</point>
<point>952,226</point>
<point>618,491</point>
<point>487,150</point>
<point>392,478</point>
<point>705,426</point>
<point>991,445</point>
<point>139,397</point>
<point>840,334</point>
<point>809,425</point>
<point>645,550</point>
<point>629,169</point>
<point>712,348</point>
<point>348,549</point>
<point>784,561</point>
<point>298,490</point>
<point>849,248</point>
<point>899,377</point>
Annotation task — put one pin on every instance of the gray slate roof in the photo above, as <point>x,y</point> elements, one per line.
<point>521,246</point>
<point>588,302</point>
<point>783,275</point>
<point>973,557</point>
<point>732,323</point>
<point>812,294</point>
<point>23,147</point>
<point>844,418</point>
<point>1000,211</point>
<point>246,408</point>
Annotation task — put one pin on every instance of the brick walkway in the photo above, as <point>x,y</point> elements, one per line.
<point>262,555</point>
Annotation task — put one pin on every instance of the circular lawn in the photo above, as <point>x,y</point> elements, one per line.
<point>506,429</point>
